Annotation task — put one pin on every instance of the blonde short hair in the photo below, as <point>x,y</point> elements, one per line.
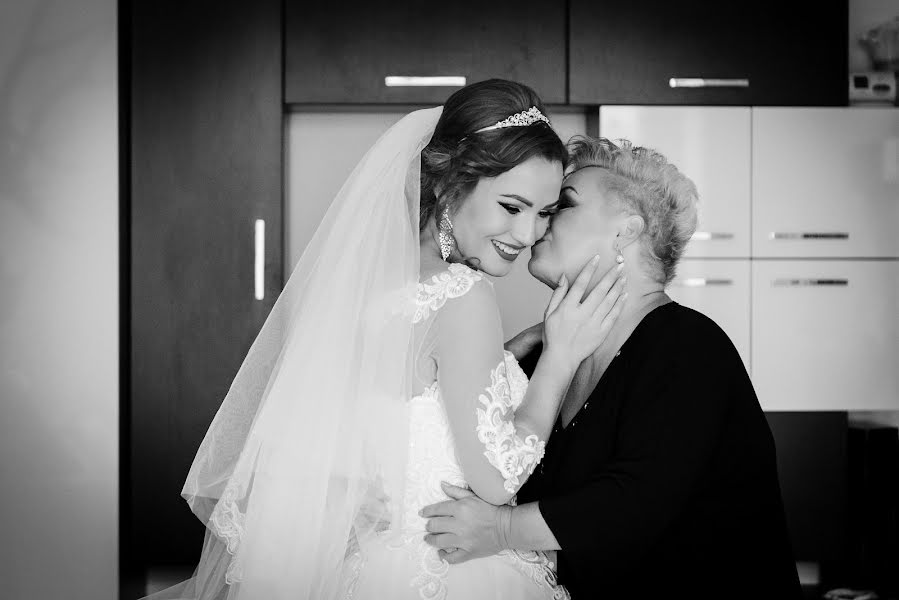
<point>643,182</point>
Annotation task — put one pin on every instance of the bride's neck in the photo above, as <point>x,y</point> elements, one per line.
<point>429,244</point>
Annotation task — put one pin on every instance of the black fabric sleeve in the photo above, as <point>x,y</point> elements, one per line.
<point>670,424</point>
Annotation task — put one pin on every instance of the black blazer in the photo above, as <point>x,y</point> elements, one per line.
<point>665,483</point>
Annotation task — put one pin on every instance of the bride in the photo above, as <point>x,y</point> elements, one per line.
<point>380,372</point>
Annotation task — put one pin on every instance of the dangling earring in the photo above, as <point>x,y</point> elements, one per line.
<point>619,258</point>
<point>445,234</point>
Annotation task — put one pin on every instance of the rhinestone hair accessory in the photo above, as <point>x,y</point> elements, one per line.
<point>522,119</point>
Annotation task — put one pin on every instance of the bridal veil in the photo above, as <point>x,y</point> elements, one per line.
<point>305,458</point>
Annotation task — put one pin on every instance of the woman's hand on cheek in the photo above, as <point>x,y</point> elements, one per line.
<point>463,528</point>
<point>576,323</point>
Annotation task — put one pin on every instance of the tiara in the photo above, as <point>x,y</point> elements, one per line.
<point>525,117</point>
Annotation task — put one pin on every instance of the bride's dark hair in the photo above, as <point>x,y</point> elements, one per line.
<point>457,157</point>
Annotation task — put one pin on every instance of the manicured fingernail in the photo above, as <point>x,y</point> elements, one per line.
<point>595,259</point>
<point>620,266</point>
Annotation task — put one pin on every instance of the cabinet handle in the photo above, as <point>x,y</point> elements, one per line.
<point>805,282</point>
<point>259,260</point>
<point>808,235</point>
<point>702,82</point>
<point>704,282</point>
<point>704,236</point>
<point>410,81</point>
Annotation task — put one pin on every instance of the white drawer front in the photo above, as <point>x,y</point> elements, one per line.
<point>720,290</point>
<point>825,334</point>
<point>711,145</point>
<point>825,182</point>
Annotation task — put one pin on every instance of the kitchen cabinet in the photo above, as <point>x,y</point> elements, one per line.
<point>719,289</point>
<point>744,53</point>
<point>203,147</point>
<point>825,182</point>
<point>712,146</point>
<point>825,334</point>
<point>343,55</point>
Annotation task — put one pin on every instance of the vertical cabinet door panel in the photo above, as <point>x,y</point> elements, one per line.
<point>825,182</point>
<point>720,290</point>
<point>711,145</point>
<point>206,165</point>
<point>344,55</point>
<point>825,334</point>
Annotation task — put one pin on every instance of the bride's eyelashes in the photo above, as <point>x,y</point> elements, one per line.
<point>543,214</point>
<point>510,208</point>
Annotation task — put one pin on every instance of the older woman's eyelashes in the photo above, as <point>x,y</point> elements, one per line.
<point>553,210</point>
<point>511,208</point>
<point>548,213</point>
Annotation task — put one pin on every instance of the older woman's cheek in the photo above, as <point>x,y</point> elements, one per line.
<point>542,227</point>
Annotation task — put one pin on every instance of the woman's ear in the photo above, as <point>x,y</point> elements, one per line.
<point>631,230</point>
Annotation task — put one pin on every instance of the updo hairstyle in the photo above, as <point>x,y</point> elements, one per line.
<point>457,158</point>
<point>641,181</point>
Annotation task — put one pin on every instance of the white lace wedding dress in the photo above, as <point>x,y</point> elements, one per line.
<point>401,565</point>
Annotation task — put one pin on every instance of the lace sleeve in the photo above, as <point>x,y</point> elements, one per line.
<point>481,386</point>
<point>511,455</point>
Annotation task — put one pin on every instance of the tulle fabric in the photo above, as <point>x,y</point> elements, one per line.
<point>304,461</point>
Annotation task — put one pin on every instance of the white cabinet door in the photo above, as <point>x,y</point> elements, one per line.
<point>720,290</point>
<point>825,334</point>
<point>712,146</point>
<point>825,182</point>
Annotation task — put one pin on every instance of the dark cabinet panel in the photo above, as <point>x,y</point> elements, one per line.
<point>206,163</point>
<point>749,53</point>
<point>343,54</point>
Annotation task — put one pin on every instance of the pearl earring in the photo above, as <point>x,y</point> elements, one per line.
<point>445,234</point>
<point>619,258</point>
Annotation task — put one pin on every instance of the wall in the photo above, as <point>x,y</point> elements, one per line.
<point>323,148</point>
<point>59,300</point>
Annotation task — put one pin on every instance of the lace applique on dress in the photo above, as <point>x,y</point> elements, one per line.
<point>228,524</point>
<point>506,451</point>
<point>537,567</point>
<point>449,284</point>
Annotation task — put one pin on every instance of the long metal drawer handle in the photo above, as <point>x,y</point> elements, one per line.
<point>807,281</point>
<point>259,260</point>
<point>702,82</point>
<point>704,282</point>
<point>704,236</point>
<point>808,235</point>
<point>412,81</point>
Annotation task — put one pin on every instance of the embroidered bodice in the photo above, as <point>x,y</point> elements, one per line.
<point>433,449</point>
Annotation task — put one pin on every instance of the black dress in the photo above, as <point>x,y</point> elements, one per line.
<point>665,482</point>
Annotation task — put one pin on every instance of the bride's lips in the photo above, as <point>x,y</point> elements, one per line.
<point>505,255</point>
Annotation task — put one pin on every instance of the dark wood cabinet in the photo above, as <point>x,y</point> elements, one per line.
<point>343,53</point>
<point>204,144</point>
<point>790,53</point>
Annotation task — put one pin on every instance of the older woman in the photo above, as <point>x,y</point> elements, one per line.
<point>660,475</point>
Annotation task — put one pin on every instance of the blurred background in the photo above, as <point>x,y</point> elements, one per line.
<point>163,165</point>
